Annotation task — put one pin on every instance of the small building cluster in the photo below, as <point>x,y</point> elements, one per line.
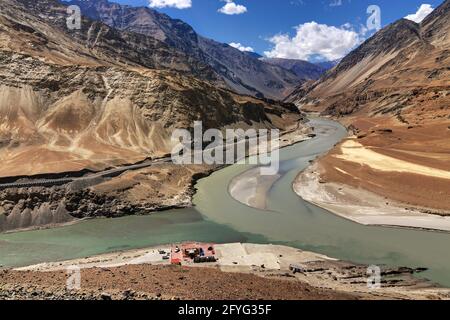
<point>192,252</point>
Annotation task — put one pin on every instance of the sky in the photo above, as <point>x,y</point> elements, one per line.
<point>313,30</point>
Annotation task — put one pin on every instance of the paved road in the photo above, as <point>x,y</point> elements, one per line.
<point>102,174</point>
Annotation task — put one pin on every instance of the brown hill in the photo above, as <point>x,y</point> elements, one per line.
<point>393,92</point>
<point>97,97</point>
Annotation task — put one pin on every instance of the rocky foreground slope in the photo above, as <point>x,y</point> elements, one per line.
<point>393,92</point>
<point>145,282</point>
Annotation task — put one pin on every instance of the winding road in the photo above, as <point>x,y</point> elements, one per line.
<point>110,173</point>
<point>91,177</point>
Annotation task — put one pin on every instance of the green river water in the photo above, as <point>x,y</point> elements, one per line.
<point>219,218</point>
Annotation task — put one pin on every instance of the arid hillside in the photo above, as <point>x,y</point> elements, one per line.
<point>98,97</point>
<point>393,93</point>
<point>401,70</point>
<point>243,73</point>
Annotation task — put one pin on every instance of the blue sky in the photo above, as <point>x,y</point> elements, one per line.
<point>264,19</point>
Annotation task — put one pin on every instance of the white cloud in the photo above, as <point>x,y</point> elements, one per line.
<point>313,39</point>
<point>231,8</point>
<point>179,4</point>
<point>241,47</point>
<point>424,10</point>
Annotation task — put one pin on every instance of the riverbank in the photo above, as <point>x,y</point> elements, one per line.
<point>243,271</point>
<point>251,188</point>
<point>355,204</point>
<point>362,206</point>
<point>386,174</point>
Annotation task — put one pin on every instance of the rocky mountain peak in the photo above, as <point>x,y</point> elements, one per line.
<point>393,73</point>
<point>396,36</point>
<point>141,20</point>
<point>436,27</point>
<point>39,28</point>
<point>242,72</point>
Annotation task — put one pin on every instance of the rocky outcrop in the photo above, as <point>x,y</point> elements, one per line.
<point>23,216</point>
<point>144,191</point>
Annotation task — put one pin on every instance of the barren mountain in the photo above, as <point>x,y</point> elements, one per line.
<point>243,72</point>
<point>393,92</point>
<point>97,97</point>
<point>327,65</point>
<point>303,69</point>
<point>39,28</point>
<point>383,75</point>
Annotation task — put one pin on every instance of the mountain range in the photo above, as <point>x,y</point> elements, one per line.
<point>101,96</point>
<point>395,72</point>
<point>242,72</point>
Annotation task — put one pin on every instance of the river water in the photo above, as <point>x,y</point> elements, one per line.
<point>219,218</point>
